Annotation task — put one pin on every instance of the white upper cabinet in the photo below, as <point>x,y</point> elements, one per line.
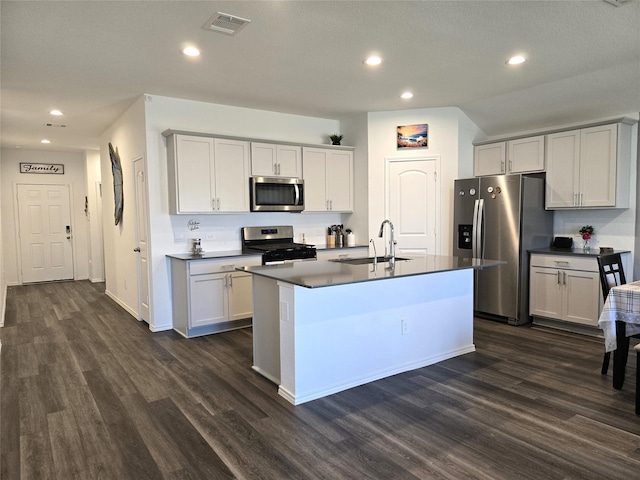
<point>588,168</point>
<point>490,159</point>
<point>523,155</point>
<point>271,160</point>
<point>207,175</point>
<point>328,180</point>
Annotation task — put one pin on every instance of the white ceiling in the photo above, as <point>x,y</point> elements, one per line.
<point>92,59</point>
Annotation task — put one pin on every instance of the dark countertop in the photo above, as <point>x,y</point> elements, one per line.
<point>238,253</point>
<point>592,252</point>
<point>325,273</point>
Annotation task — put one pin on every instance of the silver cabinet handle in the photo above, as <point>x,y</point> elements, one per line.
<point>230,280</point>
<point>502,167</point>
<point>564,278</point>
<point>213,204</point>
<point>559,277</point>
<point>218,202</point>
<point>510,166</point>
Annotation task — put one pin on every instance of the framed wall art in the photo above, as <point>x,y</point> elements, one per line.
<point>413,136</point>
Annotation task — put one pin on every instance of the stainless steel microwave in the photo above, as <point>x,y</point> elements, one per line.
<point>276,194</point>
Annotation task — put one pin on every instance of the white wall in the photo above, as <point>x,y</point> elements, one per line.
<point>74,176</point>
<point>127,134</point>
<point>355,130</point>
<point>451,135</point>
<point>164,113</point>
<point>96,254</point>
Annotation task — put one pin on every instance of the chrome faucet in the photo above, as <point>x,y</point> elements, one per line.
<point>375,254</point>
<point>392,242</point>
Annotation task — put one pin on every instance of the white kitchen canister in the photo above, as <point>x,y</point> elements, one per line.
<point>351,240</point>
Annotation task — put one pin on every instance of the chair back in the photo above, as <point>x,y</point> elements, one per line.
<point>611,272</point>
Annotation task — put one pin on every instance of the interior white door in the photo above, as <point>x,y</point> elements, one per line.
<point>141,238</point>
<point>44,218</point>
<point>412,204</point>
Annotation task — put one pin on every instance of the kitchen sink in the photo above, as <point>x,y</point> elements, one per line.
<point>366,260</point>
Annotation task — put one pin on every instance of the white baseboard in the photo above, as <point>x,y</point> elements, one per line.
<point>128,309</point>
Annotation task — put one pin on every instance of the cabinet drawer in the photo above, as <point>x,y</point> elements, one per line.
<point>587,264</point>
<point>203,267</point>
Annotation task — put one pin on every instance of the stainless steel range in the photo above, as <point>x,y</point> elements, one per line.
<point>276,244</point>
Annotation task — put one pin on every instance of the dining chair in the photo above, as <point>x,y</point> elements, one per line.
<point>611,275</point>
<point>637,349</point>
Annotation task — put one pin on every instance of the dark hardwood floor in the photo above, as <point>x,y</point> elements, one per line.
<point>88,392</point>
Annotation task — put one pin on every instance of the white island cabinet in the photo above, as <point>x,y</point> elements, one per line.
<point>322,327</point>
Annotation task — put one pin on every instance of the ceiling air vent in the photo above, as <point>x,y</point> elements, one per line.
<point>225,23</point>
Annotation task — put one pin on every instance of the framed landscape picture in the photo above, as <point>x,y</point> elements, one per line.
<point>413,136</point>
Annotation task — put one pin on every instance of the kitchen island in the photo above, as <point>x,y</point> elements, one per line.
<point>320,327</point>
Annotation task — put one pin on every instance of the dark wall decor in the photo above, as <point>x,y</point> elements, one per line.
<point>46,168</point>
<point>413,136</point>
<point>116,169</point>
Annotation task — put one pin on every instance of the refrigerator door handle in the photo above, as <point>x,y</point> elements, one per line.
<point>478,228</point>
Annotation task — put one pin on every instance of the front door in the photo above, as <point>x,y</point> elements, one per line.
<point>141,236</point>
<point>412,204</point>
<point>44,229</point>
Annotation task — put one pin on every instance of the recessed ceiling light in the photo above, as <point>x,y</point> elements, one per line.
<point>191,52</point>
<point>517,60</point>
<point>373,60</point>
<point>44,140</point>
<point>406,95</point>
<point>55,112</point>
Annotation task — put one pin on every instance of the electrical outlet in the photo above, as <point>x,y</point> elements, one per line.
<point>209,236</point>
<point>404,326</point>
<point>179,237</point>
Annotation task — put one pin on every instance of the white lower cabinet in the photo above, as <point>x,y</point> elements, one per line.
<point>565,288</point>
<point>209,296</point>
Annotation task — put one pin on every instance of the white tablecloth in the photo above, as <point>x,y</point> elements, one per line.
<point>623,305</point>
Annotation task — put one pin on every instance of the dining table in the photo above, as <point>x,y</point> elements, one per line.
<point>619,320</point>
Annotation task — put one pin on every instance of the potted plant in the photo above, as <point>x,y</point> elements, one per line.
<point>335,138</point>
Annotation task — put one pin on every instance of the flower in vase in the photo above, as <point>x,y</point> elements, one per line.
<point>586,232</point>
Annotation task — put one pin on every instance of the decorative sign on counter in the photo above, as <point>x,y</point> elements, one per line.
<point>44,168</point>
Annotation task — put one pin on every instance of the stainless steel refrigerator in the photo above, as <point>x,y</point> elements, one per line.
<point>501,218</point>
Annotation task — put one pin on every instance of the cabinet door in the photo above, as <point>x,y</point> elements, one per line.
<point>289,159</point>
<point>545,292</point>
<point>231,175</point>
<point>598,166</point>
<point>340,181</point>
<point>194,174</point>
<point>314,167</point>
<point>581,297</point>
<point>489,159</point>
<point>240,295</point>
<point>526,155</point>
<point>263,159</point>
<point>563,169</point>
<point>207,299</point>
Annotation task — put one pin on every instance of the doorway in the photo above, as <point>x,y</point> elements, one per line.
<point>141,239</point>
<point>413,193</point>
<point>45,233</point>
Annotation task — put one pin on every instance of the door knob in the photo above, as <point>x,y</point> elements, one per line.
<point>137,249</point>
